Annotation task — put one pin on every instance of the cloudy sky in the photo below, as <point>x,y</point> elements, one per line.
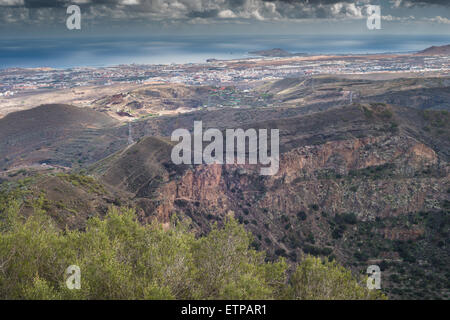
<point>47,17</point>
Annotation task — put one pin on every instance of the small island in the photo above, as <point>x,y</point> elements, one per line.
<point>275,53</point>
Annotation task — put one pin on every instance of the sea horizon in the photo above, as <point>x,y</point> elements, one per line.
<point>66,53</point>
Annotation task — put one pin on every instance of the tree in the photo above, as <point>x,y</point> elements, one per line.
<point>120,258</point>
<point>317,279</point>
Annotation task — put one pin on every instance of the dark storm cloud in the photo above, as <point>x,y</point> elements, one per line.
<point>44,4</point>
<point>312,2</point>
<point>36,4</point>
<point>227,3</point>
<point>198,10</point>
<point>408,3</point>
<point>328,2</point>
<point>204,14</point>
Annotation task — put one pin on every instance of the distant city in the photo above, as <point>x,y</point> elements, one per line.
<point>239,72</point>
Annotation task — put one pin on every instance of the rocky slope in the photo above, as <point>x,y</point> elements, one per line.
<point>346,175</point>
<point>364,183</point>
<point>56,134</point>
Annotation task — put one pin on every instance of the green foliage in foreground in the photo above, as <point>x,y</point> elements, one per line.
<point>121,259</point>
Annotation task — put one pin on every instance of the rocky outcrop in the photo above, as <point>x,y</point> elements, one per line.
<point>373,176</point>
<point>359,185</point>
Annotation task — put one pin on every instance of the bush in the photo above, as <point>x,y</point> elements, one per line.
<point>320,279</point>
<point>121,259</point>
<point>317,251</point>
<point>346,218</point>
<point>301,215</point>
<point>338,232</point>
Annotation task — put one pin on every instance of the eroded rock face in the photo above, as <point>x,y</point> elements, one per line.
<point>343,156</point>
<point>357,192</point>
<point>402,234</point>
<point>373,176</point>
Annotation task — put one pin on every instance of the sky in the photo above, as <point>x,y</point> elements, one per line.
<point>47,18</point>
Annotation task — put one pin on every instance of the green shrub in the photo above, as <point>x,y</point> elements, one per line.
<point>120,258</point>
<point>301,215</point>
<point>320,279</point>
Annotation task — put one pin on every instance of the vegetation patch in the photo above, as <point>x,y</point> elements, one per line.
<point>121,259</point>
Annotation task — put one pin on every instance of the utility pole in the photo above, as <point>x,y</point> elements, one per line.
<point>130,137</point>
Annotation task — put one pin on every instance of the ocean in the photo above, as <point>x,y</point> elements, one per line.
<point>108,51</point>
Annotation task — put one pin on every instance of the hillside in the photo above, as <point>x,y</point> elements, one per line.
<point>277,52</point>
<point>436,50</point>
<point>327,91</point>
<point>54,134</point>
<point>123,259</point>
<point>363,182</point>
<point>346,175</point>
